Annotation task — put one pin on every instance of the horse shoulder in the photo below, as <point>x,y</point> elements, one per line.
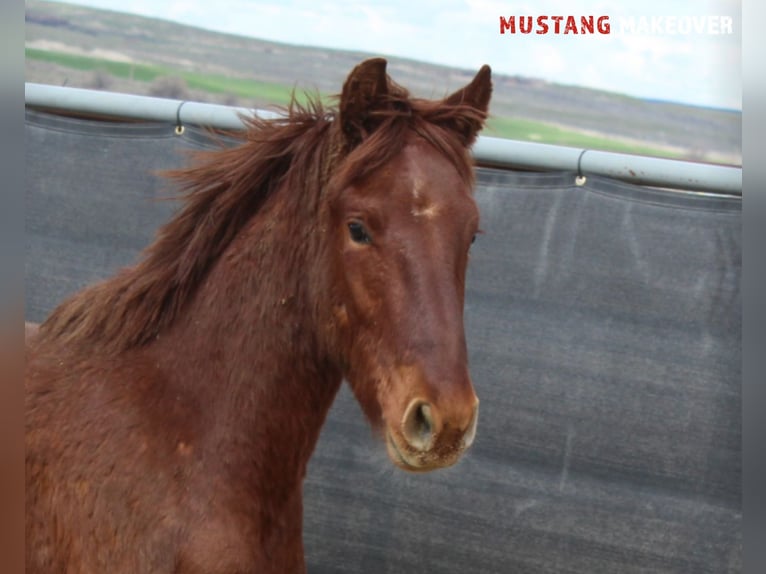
<point>97,483</point>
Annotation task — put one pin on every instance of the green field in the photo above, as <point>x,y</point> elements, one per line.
<point>279,94</point>
<point>526,130</point>
<point>240,87</point>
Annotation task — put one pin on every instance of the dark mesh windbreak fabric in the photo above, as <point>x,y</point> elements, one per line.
<point>603,325</point>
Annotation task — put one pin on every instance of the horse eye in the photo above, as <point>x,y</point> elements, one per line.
<point>358,233</point>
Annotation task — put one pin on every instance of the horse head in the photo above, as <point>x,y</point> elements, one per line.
<point>401,228</point>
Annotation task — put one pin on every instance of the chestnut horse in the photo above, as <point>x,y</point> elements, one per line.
<point>171,410</point>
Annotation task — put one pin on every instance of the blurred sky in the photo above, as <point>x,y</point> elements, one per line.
<point>695,68</point>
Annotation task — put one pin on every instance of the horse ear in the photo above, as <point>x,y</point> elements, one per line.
<point>475,95</point>
<point>365,89</point>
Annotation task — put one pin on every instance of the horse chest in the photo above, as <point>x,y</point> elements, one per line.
<point>226,545</point>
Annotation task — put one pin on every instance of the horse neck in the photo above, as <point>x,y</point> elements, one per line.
<point>249,347</point>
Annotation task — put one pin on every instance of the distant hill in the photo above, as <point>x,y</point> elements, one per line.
<point>88,48</point>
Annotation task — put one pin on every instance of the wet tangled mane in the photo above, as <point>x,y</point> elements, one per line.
<point>302,153</point>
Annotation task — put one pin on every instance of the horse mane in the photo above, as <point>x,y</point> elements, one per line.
<point>224,188</point>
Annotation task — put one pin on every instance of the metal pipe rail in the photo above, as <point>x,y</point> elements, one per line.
<point>490,151</point>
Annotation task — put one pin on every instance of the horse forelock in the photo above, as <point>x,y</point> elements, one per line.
<point>399,114</point>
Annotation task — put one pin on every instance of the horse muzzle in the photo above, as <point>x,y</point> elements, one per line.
<point>427,438</point>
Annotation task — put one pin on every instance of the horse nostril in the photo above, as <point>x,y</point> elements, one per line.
<point>423,419</point>
<point>418,425</point>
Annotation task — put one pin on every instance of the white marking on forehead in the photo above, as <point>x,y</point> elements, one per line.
<point>417,184</point>
<point>422,207</point>
<point>428,211</point>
